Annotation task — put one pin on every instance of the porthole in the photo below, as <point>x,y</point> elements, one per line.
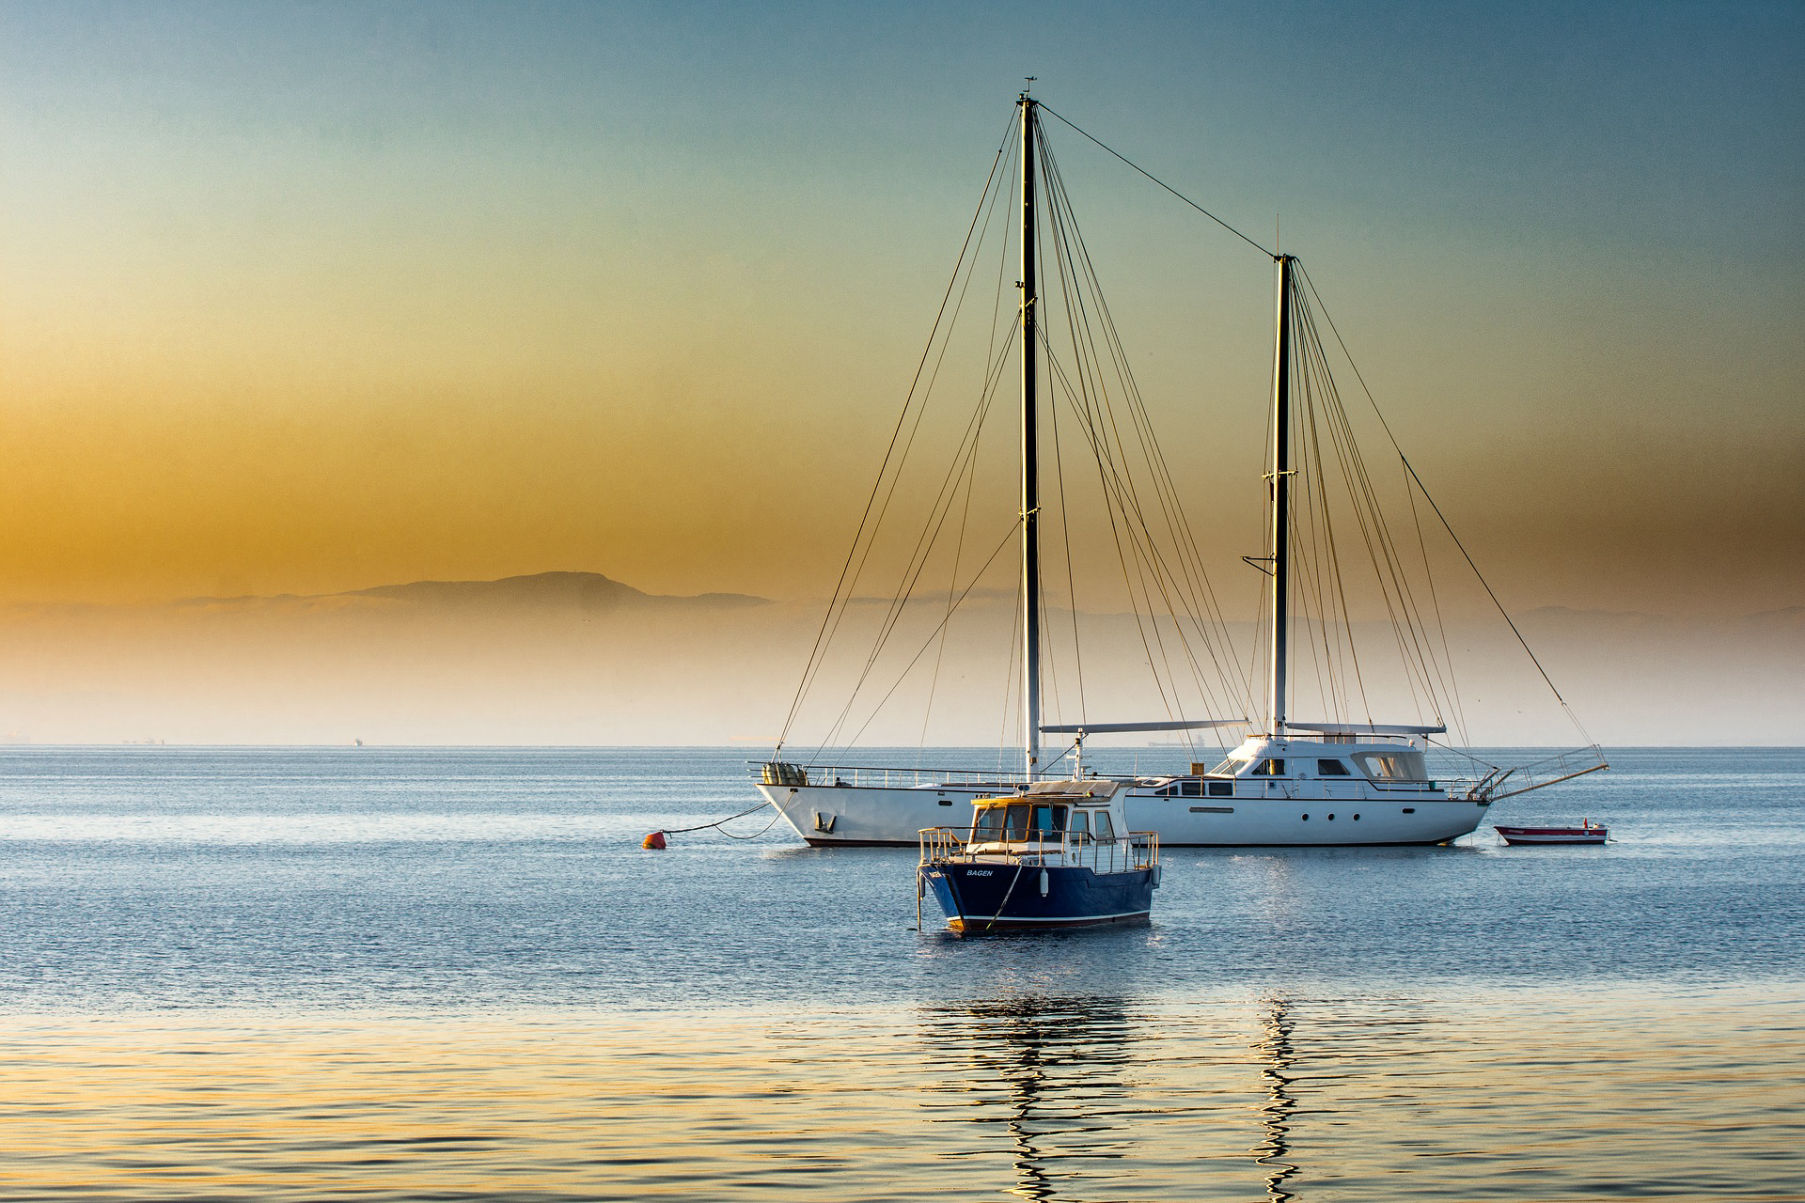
<point>1410,810</point>
<point>1306,818</point>
<point>1331,818</point>
<point>1356,818</point>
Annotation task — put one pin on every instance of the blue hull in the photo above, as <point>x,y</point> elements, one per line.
<point>980,897</point>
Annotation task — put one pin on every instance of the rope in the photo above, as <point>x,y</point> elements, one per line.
<point>730,818</point>
<point>755,834</point>
<point>998,914</point>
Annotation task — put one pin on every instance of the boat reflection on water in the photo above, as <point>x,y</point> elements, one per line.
<point>1051,1072</point>
<point>1091,1097</point>
<point>1276,1052</point>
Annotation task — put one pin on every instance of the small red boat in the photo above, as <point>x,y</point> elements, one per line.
<point>1587,832</point>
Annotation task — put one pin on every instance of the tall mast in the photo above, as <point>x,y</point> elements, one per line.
<point>1281,497</point>
<point>1030,486</point>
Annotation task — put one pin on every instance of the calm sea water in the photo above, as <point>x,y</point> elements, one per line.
<point>454,974</point>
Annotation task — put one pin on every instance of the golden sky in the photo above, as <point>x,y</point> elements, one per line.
<point>313,298</point>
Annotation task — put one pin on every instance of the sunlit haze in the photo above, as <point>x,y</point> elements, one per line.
<point>310,299</point>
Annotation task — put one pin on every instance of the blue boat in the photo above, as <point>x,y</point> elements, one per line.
<point>1056,855</point>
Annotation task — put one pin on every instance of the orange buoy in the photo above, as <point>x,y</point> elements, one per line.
<point>655,840</point>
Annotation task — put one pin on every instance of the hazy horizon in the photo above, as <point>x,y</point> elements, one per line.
<point>584,660</point>
<point>306,300</point>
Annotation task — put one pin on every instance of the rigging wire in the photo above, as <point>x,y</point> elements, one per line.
<point>823,634</point>
<point>962,469</point>
<point>963,465</point>
<point>991,355</point>
<point>1097,412</point>
<point>952,585</point>
<point>1446,525</point>
<point>936,520</point>
<point>934,634</point>
<point>1368,513</point>
<point>1323,567</point>
<point>1160,589</point>
<point>1071,583</point>
<point>1169,188</point>
<point>1148,576</point>
<point>1458,716</point>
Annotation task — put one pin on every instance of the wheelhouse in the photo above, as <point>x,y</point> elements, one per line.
<point>1032,820</point>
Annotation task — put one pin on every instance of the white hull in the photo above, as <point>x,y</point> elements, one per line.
<point>1339,814</point>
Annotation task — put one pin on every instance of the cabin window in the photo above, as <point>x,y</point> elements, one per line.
<point>1191,789</point>
<point>1046,821</point>
<point>1269,768</point>
<point>1104,829</point>
<point>1011,822</point>
<point>1166,791</point>
<point>1222,789</point>
<point>1232,767</point>
<point>1331,768</point>
<point>1080,826</point>
<point>1392,766</point>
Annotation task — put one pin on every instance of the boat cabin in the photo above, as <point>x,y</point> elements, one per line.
<point>1040,816</point>
<point>1391,761</point>
<point>1056,854</point>
<point>1054,822</point>
<point>1335,764</point>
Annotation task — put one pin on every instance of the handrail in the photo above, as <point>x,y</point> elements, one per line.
<point>778,772</point>
<point>1134,851</point>
<point>1540,774</point>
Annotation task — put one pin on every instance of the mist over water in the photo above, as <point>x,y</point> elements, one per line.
<point>558,661</point>
<point>455,973</point>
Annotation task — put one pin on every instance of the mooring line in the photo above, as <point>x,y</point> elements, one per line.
<point>659,835</point>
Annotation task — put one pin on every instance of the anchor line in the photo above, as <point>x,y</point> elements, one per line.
<point>730,818</point>
<point>998,914</point>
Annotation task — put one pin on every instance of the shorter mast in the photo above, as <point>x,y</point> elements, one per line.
<point>1281,500</point>
<point>1030,483</point>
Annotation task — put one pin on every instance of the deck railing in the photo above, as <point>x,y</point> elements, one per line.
<point>778,772</point>
<point>1136,850</point>
<point>1565,766</point>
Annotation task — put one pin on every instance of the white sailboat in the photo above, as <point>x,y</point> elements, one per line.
<point>1289,782</point>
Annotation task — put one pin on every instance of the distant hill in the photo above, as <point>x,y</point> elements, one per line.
<point>585,591</point>
<point>582,590</point>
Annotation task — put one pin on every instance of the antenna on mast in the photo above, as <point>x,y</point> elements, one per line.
<point>1028,83</point>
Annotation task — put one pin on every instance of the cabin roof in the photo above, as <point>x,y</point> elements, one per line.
<point>1090,790</point>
